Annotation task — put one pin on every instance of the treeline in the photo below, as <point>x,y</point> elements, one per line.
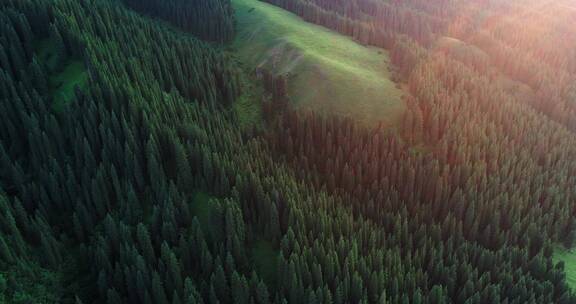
<point>211,20</point>
<point>370,22</point>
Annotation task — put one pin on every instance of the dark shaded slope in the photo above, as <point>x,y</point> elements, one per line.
<point>211,20</point>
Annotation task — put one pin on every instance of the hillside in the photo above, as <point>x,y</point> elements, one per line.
<point>328,72</point>
<point>148,155</point>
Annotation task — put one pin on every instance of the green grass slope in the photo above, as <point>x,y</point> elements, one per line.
<point>569,258</point>
<point>62,80</point>
<point>327,72</point>
<point>64,83</point>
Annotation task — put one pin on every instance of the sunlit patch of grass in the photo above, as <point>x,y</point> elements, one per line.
<point>327,72</point>
<point>569,259</point>
<point>248,105</point>
<point>247,110</point>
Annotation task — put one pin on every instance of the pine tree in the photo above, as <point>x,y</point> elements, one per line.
<point>262,296</point>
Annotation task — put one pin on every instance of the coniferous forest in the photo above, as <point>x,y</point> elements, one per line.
<point>127,174</point>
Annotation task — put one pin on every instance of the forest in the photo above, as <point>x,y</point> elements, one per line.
<point>143,160</point>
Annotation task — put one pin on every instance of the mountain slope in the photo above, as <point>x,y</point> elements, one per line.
<point>327,72</point>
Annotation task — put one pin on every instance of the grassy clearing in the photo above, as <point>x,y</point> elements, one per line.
<point>247,110</point>
<point>328,72</point>
<point>248,106</point>
<point>264,257</point>
<point>61,79</point>
<point>569,258</point>
<point>62,84</point>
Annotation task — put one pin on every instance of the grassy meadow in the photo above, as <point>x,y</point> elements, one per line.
<point>327,72</point>
<point>62,78</point>
<point>569,258</point>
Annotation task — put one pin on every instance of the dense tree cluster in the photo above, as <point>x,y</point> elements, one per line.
<point>71,178</point>
<point>473,156</point>
<point>210,20</point>
<point>99,202</point>
<point>479,200</point>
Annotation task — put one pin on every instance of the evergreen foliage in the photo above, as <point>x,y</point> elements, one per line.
<point>100,200</point>
<point>210,20</point>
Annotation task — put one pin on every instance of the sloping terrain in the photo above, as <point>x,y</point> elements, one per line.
<point>569,259</point>
<point>63,76</point>
<point>327,72</point>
